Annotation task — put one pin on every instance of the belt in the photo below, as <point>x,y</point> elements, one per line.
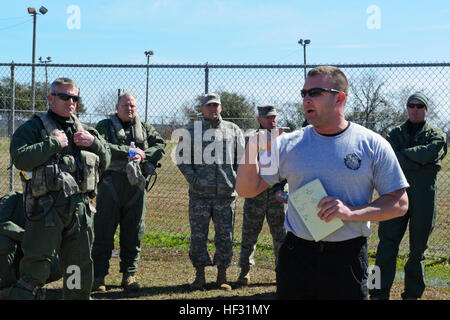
<point>327,245</point>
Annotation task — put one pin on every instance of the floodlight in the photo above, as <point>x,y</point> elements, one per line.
<point>43,10</point>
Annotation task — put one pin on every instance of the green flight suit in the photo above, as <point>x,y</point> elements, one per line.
<point>119,202</point>
<point>66,229</point>
<point>12,224</point>
<point>419,149</point>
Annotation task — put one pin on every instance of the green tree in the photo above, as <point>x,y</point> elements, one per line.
<point>235,108</point>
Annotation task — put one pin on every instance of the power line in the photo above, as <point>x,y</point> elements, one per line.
<point>12,18</point>
<point>15,25</point>
<point>288,55</point>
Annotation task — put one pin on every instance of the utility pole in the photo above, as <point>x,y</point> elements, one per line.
<point>43,10</point>
<point>148,54</point>
<point>48,59</point>
<point>304,43</point>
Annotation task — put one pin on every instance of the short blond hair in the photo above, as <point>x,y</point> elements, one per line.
<point>338,79</point>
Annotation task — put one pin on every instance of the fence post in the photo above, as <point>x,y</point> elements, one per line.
<point>11,124</point>
<point>206,78</point>
<point>146,92</point>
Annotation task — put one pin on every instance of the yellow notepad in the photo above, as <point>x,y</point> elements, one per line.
<point>305,200</point>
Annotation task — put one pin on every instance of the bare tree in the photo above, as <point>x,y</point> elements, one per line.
<point>107,103</point>
<point>370,106</point>
<point>291,114</point>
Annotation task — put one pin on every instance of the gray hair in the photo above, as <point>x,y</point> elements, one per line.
<point>61,81</point>
<point>123,95</point>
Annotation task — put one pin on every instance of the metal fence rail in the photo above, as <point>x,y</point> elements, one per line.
<point>377,98</point>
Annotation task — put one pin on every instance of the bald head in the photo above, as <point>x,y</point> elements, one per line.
<point>126,107</point>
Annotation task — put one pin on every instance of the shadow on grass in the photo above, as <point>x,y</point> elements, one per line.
<point>256,296</point>
<point>116,292</point>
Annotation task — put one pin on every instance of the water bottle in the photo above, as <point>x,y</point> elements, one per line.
<point>131,150</point>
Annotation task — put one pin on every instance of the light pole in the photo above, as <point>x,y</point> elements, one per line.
<point>49,59</point>
<point>148,54</point>
<point>304,43</point>
<point>43,10</point>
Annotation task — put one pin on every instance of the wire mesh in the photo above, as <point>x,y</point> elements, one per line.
<point>167,100</point>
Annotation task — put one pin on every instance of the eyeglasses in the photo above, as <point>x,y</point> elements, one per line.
<point>415,105</point>
<point>315,92</point>
<point>66,97</point>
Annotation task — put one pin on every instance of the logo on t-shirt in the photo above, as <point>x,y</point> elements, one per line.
<point>352,161</point>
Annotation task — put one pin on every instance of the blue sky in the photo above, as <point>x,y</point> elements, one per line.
<point>228,31</point>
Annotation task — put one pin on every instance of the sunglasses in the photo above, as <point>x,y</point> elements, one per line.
<point>315,92</point>
<point>415,105</point>
<point>66,97</point>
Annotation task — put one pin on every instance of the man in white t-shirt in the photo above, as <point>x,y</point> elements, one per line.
<point>351,162</point>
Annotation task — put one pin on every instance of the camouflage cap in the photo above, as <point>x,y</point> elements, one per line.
<point>210,98</point>
<point>267,110</point>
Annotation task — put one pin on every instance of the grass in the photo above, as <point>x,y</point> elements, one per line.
<point>165,273</point>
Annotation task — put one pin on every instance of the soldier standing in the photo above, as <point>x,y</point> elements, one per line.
<point>121,192</point>
<point>267,204</point>
<point>211,187</point>
<point>65,159</point>
<point>420,148</point>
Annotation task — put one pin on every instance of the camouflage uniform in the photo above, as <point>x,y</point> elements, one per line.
<point>263,205</point>
<point>256,209</point>
<point>60,215</point>
<point>212,190</point>
<point>118,201</point>
<point>12,224</point>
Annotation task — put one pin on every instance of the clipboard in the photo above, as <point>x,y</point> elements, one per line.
<point>305,200</point>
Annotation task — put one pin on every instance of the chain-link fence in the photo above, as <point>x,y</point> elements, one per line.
<point>167,96</point>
